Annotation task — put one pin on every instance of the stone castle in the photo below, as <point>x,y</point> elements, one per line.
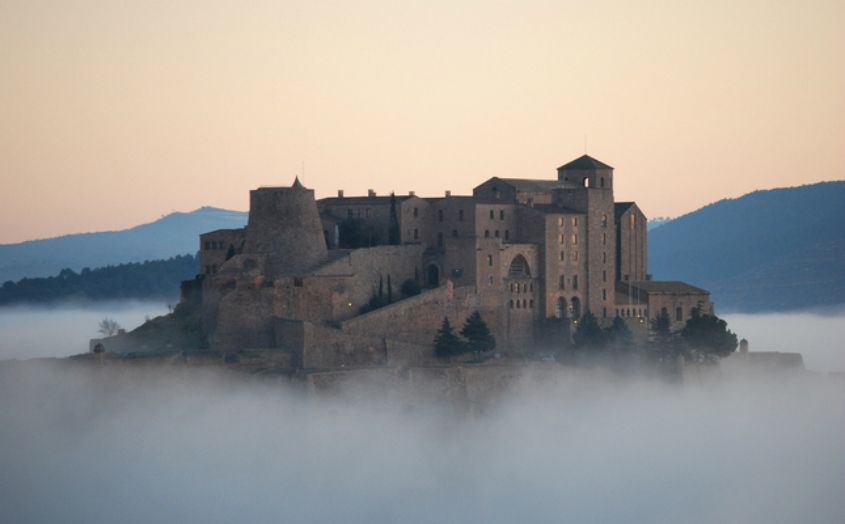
<point>531,255</point>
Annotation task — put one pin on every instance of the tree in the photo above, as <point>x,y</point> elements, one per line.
<point>479,338</point>
<point>410,287</point>
<point>619,335</point>
<point>589,334</point>
<point>709,335</point>
<point>446,343</point>
<point>108,327</point>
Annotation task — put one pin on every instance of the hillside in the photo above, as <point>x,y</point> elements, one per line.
<point>174,234</point>
<point>773,250</point>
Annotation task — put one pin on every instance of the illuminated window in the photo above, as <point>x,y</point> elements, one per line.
<point>574,256</point>
<point>574,221</point>
<point>632,220</point>
<point>604,220</point>
<point>574,239</point>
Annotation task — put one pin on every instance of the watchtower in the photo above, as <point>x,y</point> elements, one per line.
<point>588,172</point>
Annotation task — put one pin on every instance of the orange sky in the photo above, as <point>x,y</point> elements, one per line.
<point>114,113</point>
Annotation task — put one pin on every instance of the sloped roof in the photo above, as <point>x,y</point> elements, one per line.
<point>555,209</point>
<point>619,208</point>
<point>669,287</point>
<point>363,200</point>
<point>584,163</point>
<point>530,185</point>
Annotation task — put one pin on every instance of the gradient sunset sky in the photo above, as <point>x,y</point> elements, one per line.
<point>115,113</point>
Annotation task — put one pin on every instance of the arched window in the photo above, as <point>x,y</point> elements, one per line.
<point>576,307</point>
<point>519,267</point>
<point>586,182</point>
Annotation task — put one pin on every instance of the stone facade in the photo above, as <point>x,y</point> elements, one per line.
<point>526,253</point>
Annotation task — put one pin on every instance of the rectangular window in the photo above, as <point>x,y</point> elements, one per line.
<point>416,234</point>
<point>574,221</point>
<point>604,239</point>
<point>490,280</point>
<point>575,256</point>
<point>486,233</point>
<point>501,214</point>
<point>604,257</point>
<point>492,214</point>
<point>461,215</point>
<point>507,234</point>
<point>604,294</point>
<point>497,233</point>
<point>574,281</point>
<point>560,221</point>
<point>207,245</point>
<point>562,282</point>
<point>440,215</point>
<point>490,260</point>
<point>563,255</point>
<point>604,275</point>
<point>632,221</point>
<point>367,213</point>
<point>574,239</point>
<point>562,238</point>
<point>416,212</point>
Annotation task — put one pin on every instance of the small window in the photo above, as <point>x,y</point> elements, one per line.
<point>574,239</point>
<point>531,303</point>
<point>490,280</point>
<point>492,214</point>
<point>604,309</point>
<point>501,214</point>
<point>604,275</point>
<point>461,215</point>
<point>632,221</point>
<point>560,221</point>
<point>440,215</point>
<point>575,256</point>
<point>574,221</point>
<point>604,221</point>
<point>604,239</point>
<point>511,301</point>
<point>486,233</point>
<point>604,257</point>
<point>490,260</point>
<point>574,281</point>
<point>604,294</point>
<point>562,282</point>
<point>207,245</point>
<point>367,212</point>
<point>416,212</point>
<point>601,183</point>
<point>496,233</point>
<point>416,234</point>
<point>562,255</point>
<point>507,234</point>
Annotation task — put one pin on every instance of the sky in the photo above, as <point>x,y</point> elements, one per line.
<point>115,113</point>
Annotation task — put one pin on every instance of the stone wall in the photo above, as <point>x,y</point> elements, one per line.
<point>216,245</point>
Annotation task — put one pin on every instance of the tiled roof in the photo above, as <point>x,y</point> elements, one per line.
<point>584,163</point>
<point>529,185</point>
<point>620,208</point>
<point>669,287</point>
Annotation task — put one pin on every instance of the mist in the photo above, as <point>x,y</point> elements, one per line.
<point>64,329</point>
<point>88,444</point>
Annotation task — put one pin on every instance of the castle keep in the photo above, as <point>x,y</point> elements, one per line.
<point>531,255</point>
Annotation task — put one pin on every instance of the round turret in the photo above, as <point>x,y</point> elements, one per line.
<point>284,225</point>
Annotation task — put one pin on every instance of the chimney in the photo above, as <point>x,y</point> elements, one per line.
<point>448,193</point>
<point>371,193</point>
<point>340,193</point>
<point>412,193</point>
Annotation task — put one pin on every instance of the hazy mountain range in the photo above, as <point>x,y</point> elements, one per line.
<point>171,235</point>
<point>772,250</point>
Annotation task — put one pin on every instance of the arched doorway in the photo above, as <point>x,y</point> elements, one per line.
<point>560,308</point>
<point>432,275</point>
<point>576,307</point>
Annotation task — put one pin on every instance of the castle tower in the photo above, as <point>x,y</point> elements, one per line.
<point>284,224</point>
<point>591,192</point>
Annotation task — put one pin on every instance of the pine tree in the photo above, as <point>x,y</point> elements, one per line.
<point>446,343</point>
<point>619,335</point>
<point>709,334</point>
<point>589,334</point>
<point>479,338</point>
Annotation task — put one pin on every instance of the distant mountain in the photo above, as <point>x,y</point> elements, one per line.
<point>171,235</point>
<point>774,250</point>
<point>657,222</point>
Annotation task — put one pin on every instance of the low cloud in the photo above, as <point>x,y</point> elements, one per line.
<point>169,445</point>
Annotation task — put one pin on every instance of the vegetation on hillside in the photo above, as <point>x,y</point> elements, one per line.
<point>153,279</point>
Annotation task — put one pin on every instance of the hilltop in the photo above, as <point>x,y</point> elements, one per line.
<point>773,250</point>
<point>172,235</point>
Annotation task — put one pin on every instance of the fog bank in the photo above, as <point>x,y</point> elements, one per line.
<point>104,445</point>
<point>818,336</point>
<point>64,329</point>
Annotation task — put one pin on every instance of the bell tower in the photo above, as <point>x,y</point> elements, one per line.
<point>587,172</point>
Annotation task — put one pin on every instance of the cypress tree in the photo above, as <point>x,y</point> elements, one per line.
<point>446,343</point>
<point>479,338</point>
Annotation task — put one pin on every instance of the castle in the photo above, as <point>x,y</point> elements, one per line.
<point>531,255</point>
